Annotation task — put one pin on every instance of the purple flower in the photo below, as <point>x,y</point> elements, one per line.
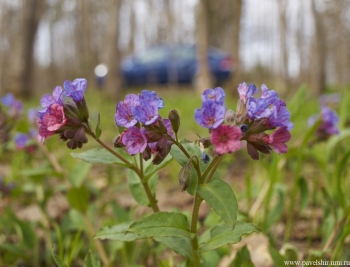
<point>147,111</point>
<point>75,89</point>
<point>8,99</point>
<point>329,121</point>
<point>134,139</point>
<point>21,140</point>
<point>47,100</point>
<point>246,91</point>
<point>260,107</point>
<point>280,116</point>
<point>15,107</point>
<point>124,117</point>
<point>217,95</point>
<point>211,115</point>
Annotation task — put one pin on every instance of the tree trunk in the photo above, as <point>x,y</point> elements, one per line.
<point>203,79</point>
<point>318,53</point>
<point>283,70</point>
<point>236,29</point>
<point>113,56</point>
<point>32,11</point>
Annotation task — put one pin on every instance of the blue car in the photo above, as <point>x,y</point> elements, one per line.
<point>173,64</point>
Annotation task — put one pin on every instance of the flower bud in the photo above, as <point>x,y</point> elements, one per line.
<point>185,176</point>
<point>146,154</point>
<point>153,136</point>
<point>117,143</point>
<point>174,120</point>
<point>205,142</point>
<point>205,157</point>
<point>83,109</point>
<point>230,116</point>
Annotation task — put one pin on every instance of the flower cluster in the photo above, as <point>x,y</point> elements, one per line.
<point>253,117</point>
<point>329,121</point>
<point>146,132</point>
<point>66,118</point>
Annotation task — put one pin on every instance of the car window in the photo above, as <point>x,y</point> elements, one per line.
<point>183,53</point>
<point>150,56</point>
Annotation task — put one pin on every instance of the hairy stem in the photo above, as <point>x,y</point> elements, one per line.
<point>194,241</point>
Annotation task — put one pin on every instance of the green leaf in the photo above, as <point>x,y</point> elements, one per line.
<point>14,249</point>
<point>100,155</point>
<point>150,168</point>
<point>28,234</point>
<point>137,190</point>
<point>181,245</point>
<point>91,261</point>
<point>78,198</point>
<point>117,232</point>
<point>79,173</point>
<point>276,256</point>
<point>98,130</point>
<point>223,234</point>
<point>334,141</point>
<point>180,157</point>
<point>220,197</point>
<point>276,213</point>
<point>304,193</point>
<point>58,260</point>
<point>162,224</point>
<point>242,258</point>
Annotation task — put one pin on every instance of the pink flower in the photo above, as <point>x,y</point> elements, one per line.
<point>52,120</point>
<point>226,139</point>
<point>278,139</point>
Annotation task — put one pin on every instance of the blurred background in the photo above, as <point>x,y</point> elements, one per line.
<point>281,43</point>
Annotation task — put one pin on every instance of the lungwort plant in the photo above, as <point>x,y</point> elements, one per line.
<point>148,142</point>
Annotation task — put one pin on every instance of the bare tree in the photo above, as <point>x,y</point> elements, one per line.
<point>203,78</point>
<point>32,12</point>
<point>318,52</point>
<point>283,70</point>
<point>113,55</point>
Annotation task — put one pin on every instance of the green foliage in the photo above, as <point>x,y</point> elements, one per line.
<point>91,261</point>
<point>162,224</point>
<point>100,155</point>
<point>220,197</point>
<point>78,198</point>
<point>137,190</point>
<point>117,232</point>
<point>222,234</point>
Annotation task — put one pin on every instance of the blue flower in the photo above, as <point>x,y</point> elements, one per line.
<point>124,116</point>
<point>147,111</point>
<point>15,107</point>
<point>75,89</point>
<point>280,116</point>
<point>21,140</point>
<point>211,115</point>
<point>217,95</point>
<point>246,91</point>
<point>329,121</point>
<point>260,107</point>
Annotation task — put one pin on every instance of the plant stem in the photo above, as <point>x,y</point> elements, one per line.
<point>114,153</point>
<point>194,241</point>
<point>99,247</point>
<point>213,169</point>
